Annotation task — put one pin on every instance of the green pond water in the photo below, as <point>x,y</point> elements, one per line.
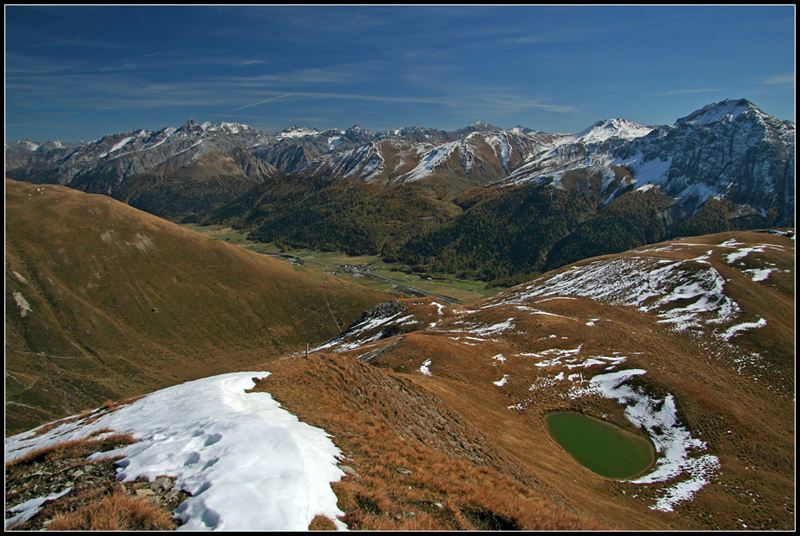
<point>602,447</point>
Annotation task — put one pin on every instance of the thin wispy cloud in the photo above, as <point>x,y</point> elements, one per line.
<point>72,42</point>
<point>783,80</point>
<point>510,104</point>
<point>687,91</point>
<point>348,96</point>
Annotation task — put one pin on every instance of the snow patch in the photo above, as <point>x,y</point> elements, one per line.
<point>249,464</point>
<point>501,382</point>
<point>31,507</point>
<point>424,368</point>
<point>744,252</point>
<point>500,358</point>
<point>733,330</point>
<point>22,303</point>
<point>483,330</point>
<point>677,464</point>
<point>759,274</point>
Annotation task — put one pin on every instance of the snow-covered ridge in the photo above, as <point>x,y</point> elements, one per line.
<point>650,284</point>
<point>248,463</point>
<point>297,132</point>
<point>609,128</point>
<point>725,111</point>
<point>232,128</point>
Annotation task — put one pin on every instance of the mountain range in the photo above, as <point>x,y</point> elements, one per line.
<point>420,195</point>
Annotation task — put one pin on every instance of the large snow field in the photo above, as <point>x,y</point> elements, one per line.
<point>248,463</point>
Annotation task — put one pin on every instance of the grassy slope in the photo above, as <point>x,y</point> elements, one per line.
<point>467,450</point>
<point>104,301</point>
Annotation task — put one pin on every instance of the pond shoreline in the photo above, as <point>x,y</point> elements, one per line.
<point>587,439</point>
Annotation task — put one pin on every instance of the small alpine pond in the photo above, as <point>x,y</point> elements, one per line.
<point>600,446</point>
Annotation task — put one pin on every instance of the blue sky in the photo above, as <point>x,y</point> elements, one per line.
<point>77,73</point>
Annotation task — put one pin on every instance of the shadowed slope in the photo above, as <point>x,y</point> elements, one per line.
<point>105,301</point>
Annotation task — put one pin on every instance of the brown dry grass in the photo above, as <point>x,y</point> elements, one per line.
<point>445,453</point>
<point>116,511</point>
<point>321,523</point>
<point>419,466</point>
<point>122,303</point>
<point>476,465</point>
<point>73,448</point>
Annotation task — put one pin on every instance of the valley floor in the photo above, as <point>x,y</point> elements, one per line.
<point>365,269</point>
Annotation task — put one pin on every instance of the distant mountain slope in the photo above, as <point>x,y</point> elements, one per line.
<point>167,173</point>
<point>727,149</point>
<point>105,301</point>
<point>618,186</point>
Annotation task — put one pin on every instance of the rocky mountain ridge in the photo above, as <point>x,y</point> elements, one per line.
<point>728,149</point>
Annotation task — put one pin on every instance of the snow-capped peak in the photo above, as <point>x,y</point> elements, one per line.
<point>232,128</point>
<point>28,145</point>
<point>726,110</point>
<point>609,128</point>
<point>297,132</point>
<point>479,126</point>
<point>483,125</point>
